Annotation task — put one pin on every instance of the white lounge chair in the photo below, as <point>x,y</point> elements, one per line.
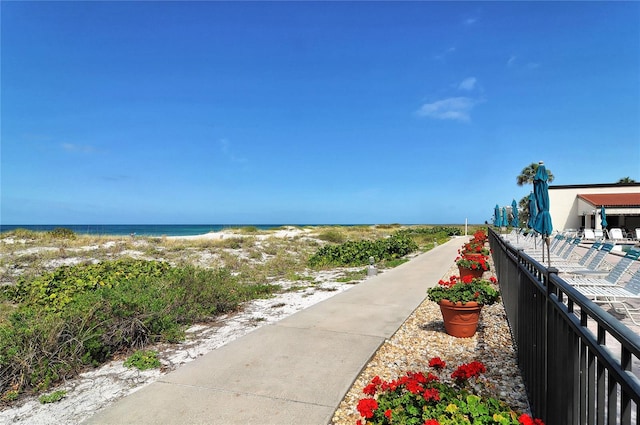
<point>588,234</point>
<point>582,262</point>
<point>593,264</point>
<point>598,233</point>
<point>616,234</point>
<point>637,234</point>
<point>614,276</point>
<point>617,297</point>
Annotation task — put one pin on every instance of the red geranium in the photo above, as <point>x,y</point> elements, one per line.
<point>366,407</point>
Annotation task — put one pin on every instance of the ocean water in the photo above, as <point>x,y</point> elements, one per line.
<point>137,229</point>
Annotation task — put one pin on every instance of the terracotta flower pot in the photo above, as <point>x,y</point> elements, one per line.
<point>460,320</point>
<point>470,272</point>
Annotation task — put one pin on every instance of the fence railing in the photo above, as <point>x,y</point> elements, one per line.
<point>580,364</point>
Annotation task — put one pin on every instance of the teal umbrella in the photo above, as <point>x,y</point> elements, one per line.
<point>543,223</point>
<point>603,219</point>
<point>533,211</point>
<point>515,221</point>
<point>497,221</point>
<point>505,220</point>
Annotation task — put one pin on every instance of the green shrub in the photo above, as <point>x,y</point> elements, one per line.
<point>332,235</point>
<point>357,253</point>
<point>62,233</point>
<point>53,397</point>
<point>107,307</point>
<point>143,360</point>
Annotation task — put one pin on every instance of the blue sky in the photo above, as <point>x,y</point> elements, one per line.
<point>305,112</point>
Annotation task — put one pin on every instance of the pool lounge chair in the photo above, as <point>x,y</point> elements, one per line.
<point>616,234</point>
<point>598,233</point>
<point>617,297</point>
<point>588,234</point>
<point>614,276</point>
<point>594,263</point>
<point>582,262</point>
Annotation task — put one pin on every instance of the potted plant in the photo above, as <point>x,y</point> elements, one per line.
<point>461,299</point>
<point>437,399</point>
<point>474,248</point>
<point>470,266</point>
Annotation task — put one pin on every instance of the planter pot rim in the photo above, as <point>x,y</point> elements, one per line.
<point>471,304</point>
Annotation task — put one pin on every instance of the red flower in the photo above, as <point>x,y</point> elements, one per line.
<point>372,387</point>
<point>431,394</point>
<point>493,279</point>
<point>431,422</point>
<point>366,406</point>
<point>387,413</point>
<point>525,419</point>
<point>466,371</point>
<point>414,387</point>
<point>467,279</point>
<point>437,363</point>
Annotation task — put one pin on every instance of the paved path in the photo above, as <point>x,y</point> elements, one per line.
<point>295,371</point>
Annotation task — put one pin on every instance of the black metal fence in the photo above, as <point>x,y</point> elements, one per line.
<point>580,364</point>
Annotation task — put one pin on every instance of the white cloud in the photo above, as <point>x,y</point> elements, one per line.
<point>470,21</point>
<point>452,108</point>
<point>467,84</point>
<point>512,60</point>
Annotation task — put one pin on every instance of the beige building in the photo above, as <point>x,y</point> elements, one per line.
<point>578,206</point>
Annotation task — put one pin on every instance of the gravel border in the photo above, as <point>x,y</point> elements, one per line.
<point>422,337</point>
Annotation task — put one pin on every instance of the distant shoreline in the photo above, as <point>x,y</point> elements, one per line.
<point>158,230</point>
<point>151,230</point>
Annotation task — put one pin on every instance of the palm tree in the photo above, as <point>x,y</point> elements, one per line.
<point>529,172</point>
<point>626,180</point>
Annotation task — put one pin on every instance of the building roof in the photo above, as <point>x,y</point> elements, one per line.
<point>612,199</point>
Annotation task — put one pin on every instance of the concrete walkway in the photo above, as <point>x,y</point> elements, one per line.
<point>295,371</point>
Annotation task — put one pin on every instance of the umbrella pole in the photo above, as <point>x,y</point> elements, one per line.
<point>548,243</point>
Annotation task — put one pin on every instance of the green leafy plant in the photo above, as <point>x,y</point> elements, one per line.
<point>464,290</point>
<point>143,360</point>
<point>357,253</point>
<point>436,399</point>
<point>53,397</point>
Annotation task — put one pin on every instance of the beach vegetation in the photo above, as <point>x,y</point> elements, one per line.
<point>62,233</point>
<point>351,276</point>
<point>358,253</point>
<point>333,235</point>
<point>143,360</point>
<point>52,397</point>
<point>71,303</point>
<point>80,316</point>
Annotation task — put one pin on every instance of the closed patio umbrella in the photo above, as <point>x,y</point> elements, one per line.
<point>497,220</point>
<point>515,221</point>
<point>505,219</point>
<point>543,223</point>
<point>533,211</point>
<point>603,219</point>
